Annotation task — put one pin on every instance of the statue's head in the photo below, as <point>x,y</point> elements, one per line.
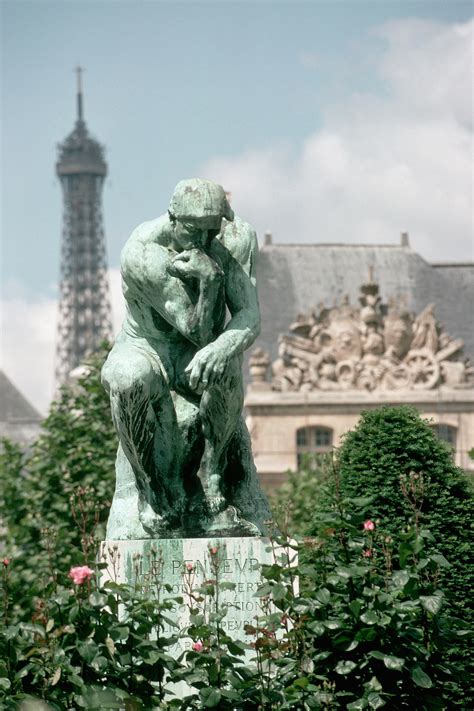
<point>196,211</point>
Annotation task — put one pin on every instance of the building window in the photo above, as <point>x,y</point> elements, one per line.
<point>311,441</point>
<point>446,433</point>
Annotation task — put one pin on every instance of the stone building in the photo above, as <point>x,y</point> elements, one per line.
<point>347,328</point>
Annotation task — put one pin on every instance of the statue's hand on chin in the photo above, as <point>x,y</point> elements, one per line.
<point>193,263</point>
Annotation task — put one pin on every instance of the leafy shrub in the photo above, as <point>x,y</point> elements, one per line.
<point>367,628</point>
<point>52,496</point>
<point>293,503</point>
<point>391,445</point>
<point>367,632</point>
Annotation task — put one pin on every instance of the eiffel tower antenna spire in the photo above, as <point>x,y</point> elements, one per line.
<point>79,70</point>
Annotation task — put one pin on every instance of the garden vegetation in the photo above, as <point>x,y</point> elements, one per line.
<point>377,621</point>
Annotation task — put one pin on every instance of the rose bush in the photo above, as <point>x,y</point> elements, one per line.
<point>364,632</point>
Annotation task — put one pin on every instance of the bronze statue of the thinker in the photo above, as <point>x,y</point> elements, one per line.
<point>184,464</point>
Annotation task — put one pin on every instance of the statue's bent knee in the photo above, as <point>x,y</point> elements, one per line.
<point>124,376</point>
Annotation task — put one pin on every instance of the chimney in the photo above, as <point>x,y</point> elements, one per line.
<point>267,238</point>
<point>404,240</point>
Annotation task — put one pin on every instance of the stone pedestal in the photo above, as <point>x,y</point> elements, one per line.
<point>189,562</point>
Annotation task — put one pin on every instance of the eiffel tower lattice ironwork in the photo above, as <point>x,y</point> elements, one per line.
<point>84,303</point>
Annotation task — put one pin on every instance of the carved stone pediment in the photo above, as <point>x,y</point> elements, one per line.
<point>370,347</point>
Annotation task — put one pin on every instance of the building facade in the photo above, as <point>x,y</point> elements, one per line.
<point>363,329</point>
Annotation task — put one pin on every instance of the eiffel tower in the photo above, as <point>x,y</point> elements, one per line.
<point>84,303</point>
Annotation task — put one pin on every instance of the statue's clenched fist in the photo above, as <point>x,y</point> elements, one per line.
<point>193,263</point>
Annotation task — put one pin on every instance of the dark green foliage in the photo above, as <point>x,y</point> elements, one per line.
<point>394,442</point>
<point>293,504</point>
<point>366,633</point>
<point>369,623</point>
<point>53,496</point>
<point>368,628</point>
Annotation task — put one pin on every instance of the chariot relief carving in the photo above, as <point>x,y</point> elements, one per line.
<point>373,346</point>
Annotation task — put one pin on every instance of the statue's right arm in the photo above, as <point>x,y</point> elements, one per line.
<point>144,267</point>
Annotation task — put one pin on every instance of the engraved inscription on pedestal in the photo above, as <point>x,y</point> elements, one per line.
<point>179,562</point>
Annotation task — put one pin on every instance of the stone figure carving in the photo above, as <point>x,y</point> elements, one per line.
<point>368,348</point>
<point>184,464</point>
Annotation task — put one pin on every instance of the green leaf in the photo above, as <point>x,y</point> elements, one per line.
<point>432,603</point>
<point>210,697</point>
<point>97,599</point>
<point>352,645</point>
<point>323,595</point>
<point>357,705</point>
<point>390,661</point>
<point>5,684</point>
<point>440,560</point>
<point>361,501</point>
<point>87,650</point>
<point>400,578</point>
<point>263,590</point>
<point>332,624</point>
<point>237,647</point>
<point>301,683</point>
<point>374,684</point>
<point>421,678</point>
<point>367,634</point>
<point>375,701</point>
<point>345,667</point>
<point>404,552</point>
<point>317,628</point>
<point>278,591</point>
<point>226,585</point>
<point>120,632</point>
<point>354,607</point>
<point>370,617</point>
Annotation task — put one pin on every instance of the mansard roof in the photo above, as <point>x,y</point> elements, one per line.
<point>19,421</point>
<point>14,407</point>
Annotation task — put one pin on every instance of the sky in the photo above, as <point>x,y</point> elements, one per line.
<point>328,121</point>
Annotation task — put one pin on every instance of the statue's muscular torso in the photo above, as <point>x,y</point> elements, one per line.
<point>160,306</point>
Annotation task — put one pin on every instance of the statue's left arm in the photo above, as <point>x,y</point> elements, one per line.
<point>237,251</point>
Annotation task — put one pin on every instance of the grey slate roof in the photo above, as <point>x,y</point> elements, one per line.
<point>294,278</point>
<point>18,418</point>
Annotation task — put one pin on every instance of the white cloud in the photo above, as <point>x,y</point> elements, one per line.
<point>117,301</point>
<point>28,329</point>
<point>380,164</point>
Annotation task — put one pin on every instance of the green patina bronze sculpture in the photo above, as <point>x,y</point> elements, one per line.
<point>184,464</point>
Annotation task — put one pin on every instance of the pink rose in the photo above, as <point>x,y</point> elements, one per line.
<point>213,550</point>
<point>189,567</point>
<point>6,561</point>
<point>367,553</point>
<point>80,573</point>
<point>198,646</point>
<point>369,525</point>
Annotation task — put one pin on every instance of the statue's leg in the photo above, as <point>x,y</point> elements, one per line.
<point>143,414</point>
<point>220,410</point>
